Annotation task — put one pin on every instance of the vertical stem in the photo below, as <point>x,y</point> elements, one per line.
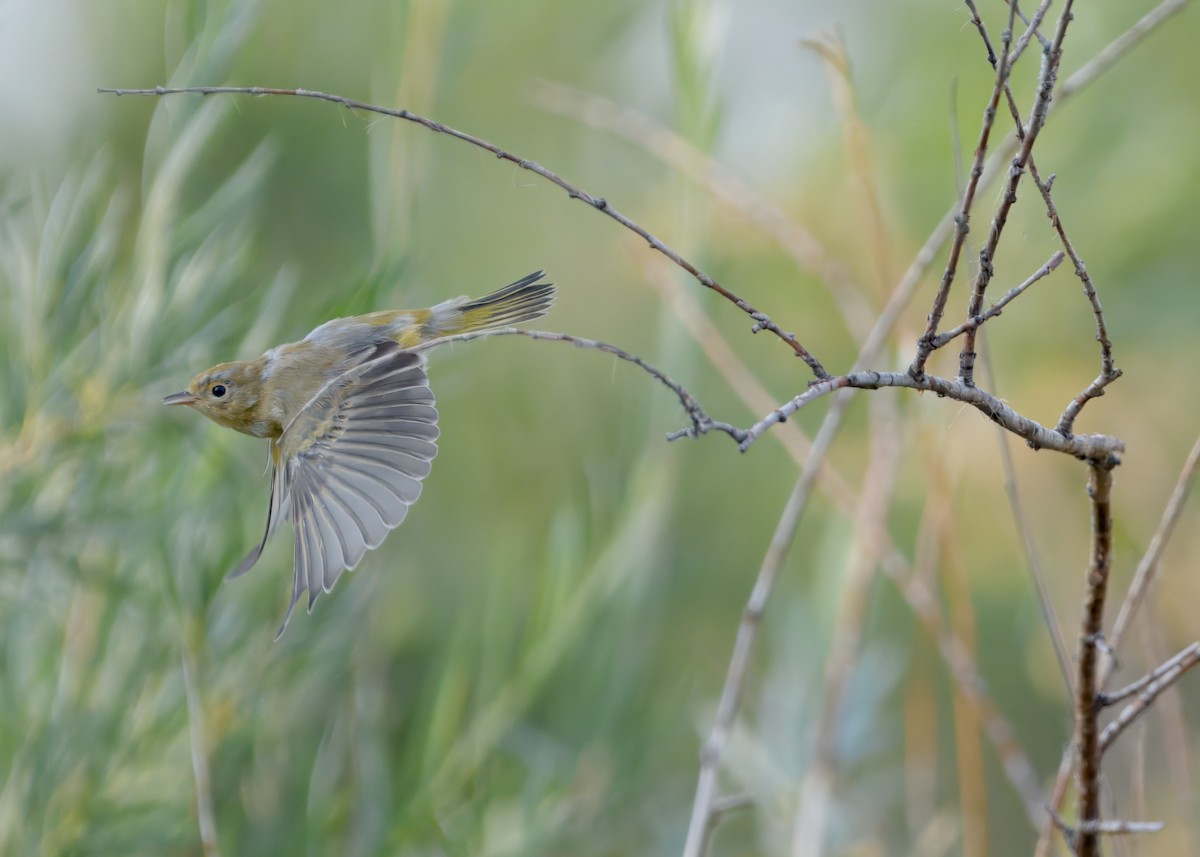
<point>1087,843</point>
<point>205,815</point>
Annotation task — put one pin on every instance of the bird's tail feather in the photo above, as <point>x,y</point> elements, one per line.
<point>524,300</point>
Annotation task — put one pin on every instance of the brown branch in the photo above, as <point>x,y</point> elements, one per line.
<point>1090,447</point>
<point>1037,120</point>
<point>701,423</point>
<point>1133,599</point>
<point>998,307</point>
<point>1081,79</point>
<point>963,217</point>
<point>761,320</point>
<point>1088,749</point>
<point>1147,690</point>
<point>1108,371</point>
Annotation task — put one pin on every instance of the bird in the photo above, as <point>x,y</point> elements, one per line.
<point>352,424</point>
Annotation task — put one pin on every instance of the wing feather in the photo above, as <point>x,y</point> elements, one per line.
<point>351,464</point>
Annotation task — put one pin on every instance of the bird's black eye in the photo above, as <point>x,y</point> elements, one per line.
<point>218,390</point>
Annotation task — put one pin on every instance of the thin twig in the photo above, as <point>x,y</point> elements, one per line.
<point>684,306</point>
<point>1045,604</point>
<point>701,423</point>
<point>1031,29</point>
<point>1108,371</point>
<point>1147,689</point>
<point>1105,699</point>
<point>998,307</point>
<point>963,217</point>
<point>1174,733</point>
<point>1088,657</point>
<point>1100,828</point>
<point>761,320</point>
<point>1037,120</point>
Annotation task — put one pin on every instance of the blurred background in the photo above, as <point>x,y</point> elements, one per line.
<point>530,665</point>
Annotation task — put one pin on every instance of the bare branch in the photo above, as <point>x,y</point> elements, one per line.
<point>1101,828</point>
<point>1091,447</point>
<point>701,423</point>
<point>963,217</point>
<point>1031,29</point>
<point>761,320</point>
<point>1088,656</point>
<point>1147,689</point>
<point>1037,120</point>
<point>1108,372</point>
<point>998,307</point>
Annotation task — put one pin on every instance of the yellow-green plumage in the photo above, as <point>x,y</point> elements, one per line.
<point>352,423</point>
<point>261,396</point>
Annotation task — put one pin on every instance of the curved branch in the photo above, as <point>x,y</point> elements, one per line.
<point>701,422</point>
<point>761,320</point>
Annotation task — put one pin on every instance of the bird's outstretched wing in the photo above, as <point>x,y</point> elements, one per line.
<point>350,464</point>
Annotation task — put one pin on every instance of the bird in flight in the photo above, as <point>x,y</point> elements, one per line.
<point>352,424</point>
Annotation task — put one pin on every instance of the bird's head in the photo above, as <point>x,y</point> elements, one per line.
<point>228,394</point>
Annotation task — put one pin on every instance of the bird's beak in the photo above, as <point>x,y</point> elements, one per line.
<point>183,397</point>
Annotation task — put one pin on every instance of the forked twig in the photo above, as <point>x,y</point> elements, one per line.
<point>975,322</point>
<point>1147,689</point>
<point>1037,120</point>
<point>962,218</point>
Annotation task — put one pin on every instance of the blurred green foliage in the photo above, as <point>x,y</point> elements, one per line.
<point>529,665</point>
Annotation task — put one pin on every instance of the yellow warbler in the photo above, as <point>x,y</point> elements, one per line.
<point>351,421</point>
